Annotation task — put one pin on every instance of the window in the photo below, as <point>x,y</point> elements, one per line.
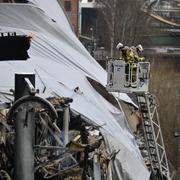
<point>67,5</point>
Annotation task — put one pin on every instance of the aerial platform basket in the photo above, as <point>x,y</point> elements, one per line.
<point>127,78</point>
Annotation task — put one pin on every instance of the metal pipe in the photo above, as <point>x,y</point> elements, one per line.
<point>24,131</point>
<point>35,99</point>
<point>66,125</point>
<point>24,141</point>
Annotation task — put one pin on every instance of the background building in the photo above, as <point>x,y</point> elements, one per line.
<point>87,17</point>
<point>71,7</point>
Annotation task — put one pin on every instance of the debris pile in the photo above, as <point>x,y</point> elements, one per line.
<point>84,156</point>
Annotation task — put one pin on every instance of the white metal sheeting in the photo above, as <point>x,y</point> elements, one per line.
<point>61,63</point>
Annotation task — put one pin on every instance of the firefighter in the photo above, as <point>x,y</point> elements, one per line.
<point>131,56</point>
<point>124,51</point>
<point>139,49</point>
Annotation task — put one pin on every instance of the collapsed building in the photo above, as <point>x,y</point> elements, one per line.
<point>98,142</point>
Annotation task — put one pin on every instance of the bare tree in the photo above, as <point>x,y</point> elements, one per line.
<point>124,19</point>
<point>108,9</point>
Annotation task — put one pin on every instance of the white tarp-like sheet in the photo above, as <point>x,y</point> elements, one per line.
<point>61,63</point>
